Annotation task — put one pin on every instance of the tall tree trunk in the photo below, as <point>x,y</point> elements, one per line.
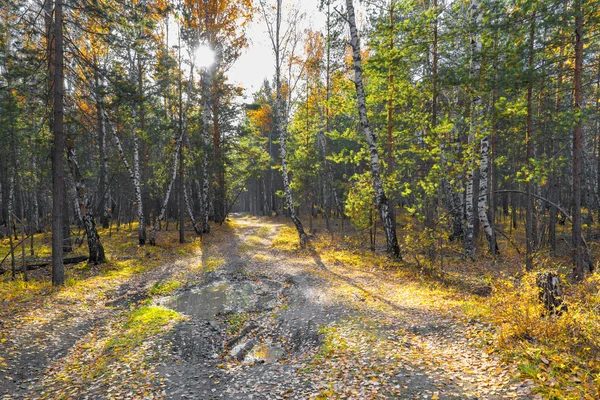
<point>390,108</point>
<point>455,202</point>
<point>484,192</point>
<point>182,139</point>
<point>598,135</point>
<point>382,202</point>
<point>58,152</point>
<point>10,221</point>
<point>103,181</point>
<point>474,73</point>
<point>206,143</point>
<point>281,127</point>
<point>530,243</point>
<point>578,266</point>
<point>134,175</point>
<point>493,154</point>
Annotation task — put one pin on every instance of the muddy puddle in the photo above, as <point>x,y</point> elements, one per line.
<point>219,297</point>
<point>265,352</point>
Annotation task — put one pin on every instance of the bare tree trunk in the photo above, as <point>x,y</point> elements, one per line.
<point>494,152</point>
<point>382,202</point>
<point>281,125</point>
<point>103,181</point>
<point>96,250</point>
<point>181,134</point>
<point>138,189</point>
<point>206,142</point>
<point>134,175</point>
<point>11,195</point>
<point>474,73</point>
<point>529,154</point>
<point>58,151</point>
<point>598,135</point>
<point>578,267</point>
<point>488,226</point>
<point>190,213</point>
<point>163,209</point>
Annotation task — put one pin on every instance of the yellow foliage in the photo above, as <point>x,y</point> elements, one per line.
<point>286,239</point>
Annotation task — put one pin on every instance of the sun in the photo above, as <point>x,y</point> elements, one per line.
<point>204,56</point>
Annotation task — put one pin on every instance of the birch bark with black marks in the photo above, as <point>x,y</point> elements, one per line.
<point>279,45</point>
<point>206,143</point>
<point>134,175</point>
<point>11,195</point>
<point>381,200</point>
<point>190,212</point>
<point>484,192</point>
<point>103,181</point>
<point>96,250</point>
<point>474,74</point>
<point>484,164</point>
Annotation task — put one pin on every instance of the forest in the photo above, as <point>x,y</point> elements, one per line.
<point>406,206</point>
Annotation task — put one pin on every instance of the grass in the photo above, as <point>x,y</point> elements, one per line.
<point>236,322</point>
<point>130,341</point>
<point>286,239</point>
<point>212,263</point>
<point>140,325</point>
<point>164,288</point>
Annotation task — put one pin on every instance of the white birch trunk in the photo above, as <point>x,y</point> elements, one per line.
<point>206,142</point>
<point>134,175</point>
<point>82,211</point>
<point>474,73</point>
<point>484,192</point>
<point>190,213</point>
<point>163,209</point>
<point>382,202</point>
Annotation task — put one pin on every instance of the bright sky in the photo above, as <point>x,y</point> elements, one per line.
<point>257,61</point>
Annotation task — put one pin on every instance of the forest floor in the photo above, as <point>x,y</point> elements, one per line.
<point>244,314</point>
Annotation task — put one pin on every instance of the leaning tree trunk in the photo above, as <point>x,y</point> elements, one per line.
<point>382,202</point>
<point>190,213</point>
<point>163,209</point>
<point>96,250</point>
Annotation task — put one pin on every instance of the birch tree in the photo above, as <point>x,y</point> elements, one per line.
<point>381,200</point>
<point>280,44</point>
